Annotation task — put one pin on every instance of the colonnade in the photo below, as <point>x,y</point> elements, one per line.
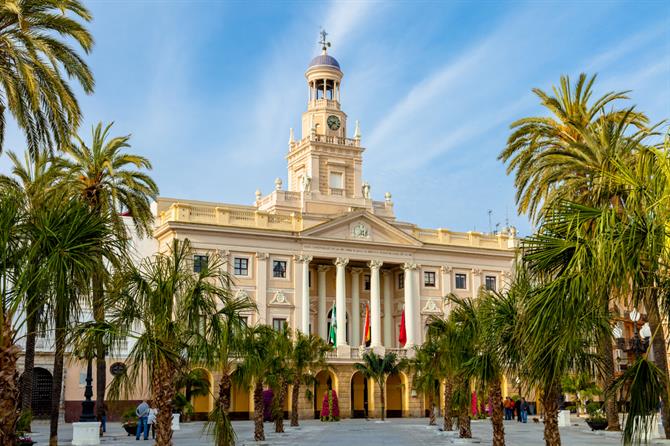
<point>379,286</point>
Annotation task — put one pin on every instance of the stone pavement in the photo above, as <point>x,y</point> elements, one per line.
<point>399,431</point>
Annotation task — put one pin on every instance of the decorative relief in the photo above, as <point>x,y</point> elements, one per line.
<point>360,230</point>
<point>242,294</point>
<point>430,307</point>
<point>348,250</point>
<point>446,269</point>
<point>262,255</point>
<point>279,298</point>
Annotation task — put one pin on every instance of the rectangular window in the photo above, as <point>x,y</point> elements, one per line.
<point>279,268</point>
<point>82,378</point>
<point>241,266</point>
<point>491,283</point>
<point>245,320</point>
<point>429,279</point>
<point>366,282</point>
<point>278,324</point>
<point>401,281</point>
<point>199,263</point>
<point>461,281</point>
<point>336,180</point>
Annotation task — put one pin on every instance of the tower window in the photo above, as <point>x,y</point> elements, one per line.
<point>336,180</point>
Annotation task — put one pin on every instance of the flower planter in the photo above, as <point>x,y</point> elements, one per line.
<point>130,428</point>
<point>25,442</point>
<point>597,425</point>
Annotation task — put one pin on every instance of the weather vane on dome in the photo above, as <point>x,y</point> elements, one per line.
<point>324,43</point>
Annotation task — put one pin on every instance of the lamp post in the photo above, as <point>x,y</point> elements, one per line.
<point>638,346</point>
<point>87,413</point>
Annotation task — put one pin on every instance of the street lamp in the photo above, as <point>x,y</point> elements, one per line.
<point>638,346</point>
<point>87,413</point>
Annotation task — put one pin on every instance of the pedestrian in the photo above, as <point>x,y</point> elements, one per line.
<point>517,408</point>
<point>102,418</point>
<point>151,420</point>
<point>142,412</point>
<point>508,409</point>
<point>524,410</point>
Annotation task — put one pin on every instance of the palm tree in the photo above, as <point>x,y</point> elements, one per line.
<point>426,377</point>
<point>171,306</point>
<point>67,242</point>
<point>33,179</point>
<point>109,180</point>
<point>34,55</point>
<point>195,382</point>
<point>379,369</point>
<point>280,374</point>
<point>224,338</point>
<point>563,157</point>
<point>546,153</point>
<point>13,260</point>
<point>257,356</point>
<point>309,354</point>
<point>582,386</point>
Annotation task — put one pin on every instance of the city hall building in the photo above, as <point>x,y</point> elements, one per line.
<point>320,240</point>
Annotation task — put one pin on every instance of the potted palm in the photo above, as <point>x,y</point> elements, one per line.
<point>596,420</point>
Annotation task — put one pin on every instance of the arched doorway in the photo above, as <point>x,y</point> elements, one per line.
<point>323,381</point>
<point>359,396</point>
<point>201,397</point>
<point>41,398</point>
<point>394,396</point>
<point>331,321</point>
<point>240,404</point>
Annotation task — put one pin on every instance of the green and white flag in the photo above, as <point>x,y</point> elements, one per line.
<point>332,336</point>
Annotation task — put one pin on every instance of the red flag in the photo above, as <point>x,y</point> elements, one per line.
<point>366,333</point>
<point>403,331</point>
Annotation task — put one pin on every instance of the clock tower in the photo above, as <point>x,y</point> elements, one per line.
<point>325,163</point>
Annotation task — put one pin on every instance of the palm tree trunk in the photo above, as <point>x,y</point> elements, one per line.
<point>464,429</point>
<point>495,395</point>
<point>552,436</point>
<point>29,360</point>
<point>59,357</point>
<point>259,433</point>
<point>226,434</point>
<point>448,393</point>
<point>9,387</point>
<point>100,361</point>
<point>225,386</point>
<point>383,400</point>
<point>431,418</point>
<point>295,396</point>
<point>611,406</point>
<point>279,413</point>
<point>660,360</point>
<point>163,392</point>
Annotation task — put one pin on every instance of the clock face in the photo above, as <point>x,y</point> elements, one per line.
<point>333,122</point>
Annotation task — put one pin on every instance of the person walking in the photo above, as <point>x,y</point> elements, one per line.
<point>524,410</point>
<point>102,418</point>
<point>506,406</point>
<point>517,408</point>
<point>151,420</point>
<point>142,412</point>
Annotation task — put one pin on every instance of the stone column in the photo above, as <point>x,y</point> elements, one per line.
<point>304,313</point>
<point>355,306</point>
<point>446,288</point>
<point>409,304</point>
<point>322,312</point>
<point>375,304</point>
<point>262,286</point>
<point>388,308</point>
<point>341,301</point>
<point>476,281</point>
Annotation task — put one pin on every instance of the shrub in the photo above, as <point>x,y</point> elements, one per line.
<point>330,408</point>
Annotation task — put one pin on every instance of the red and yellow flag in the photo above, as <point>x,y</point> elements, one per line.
<point>367,339</point>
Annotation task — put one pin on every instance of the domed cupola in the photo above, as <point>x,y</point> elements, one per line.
<point>324,77</point>
<point>324,60</point>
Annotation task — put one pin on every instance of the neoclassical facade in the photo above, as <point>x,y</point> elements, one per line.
<point>319,241</point>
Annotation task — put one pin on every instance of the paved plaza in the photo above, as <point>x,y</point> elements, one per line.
<point>402,431</point>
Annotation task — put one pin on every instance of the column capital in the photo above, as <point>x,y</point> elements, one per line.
<point>356,270</point>
<point>262,255</point>
<point>446,269</point>
<point>303,258</point>
<point>323,268</point>
<point>341,262</point>
<point>386,272</point>
<point>375,264</point>
<point>409,266</point>
<point>476,270</point>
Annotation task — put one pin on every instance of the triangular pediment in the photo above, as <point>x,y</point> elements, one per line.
<point>361,226</point>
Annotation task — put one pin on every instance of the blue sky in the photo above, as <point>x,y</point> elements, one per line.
<point>209,89</point>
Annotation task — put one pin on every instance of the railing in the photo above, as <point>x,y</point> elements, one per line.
<point>319,103</point>
<point>337,140</point>
<point>401,352</point>
<point>230,216</point>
